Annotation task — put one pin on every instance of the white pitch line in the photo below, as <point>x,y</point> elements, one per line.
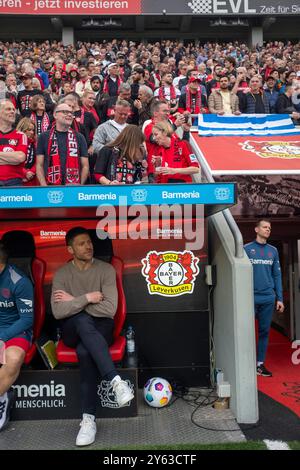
<point>276,445</point>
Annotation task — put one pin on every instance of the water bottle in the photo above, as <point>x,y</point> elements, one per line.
<point>130,340</point>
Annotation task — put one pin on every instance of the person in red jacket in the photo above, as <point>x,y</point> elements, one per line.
<point>173,162</point>
<point>13,147</point>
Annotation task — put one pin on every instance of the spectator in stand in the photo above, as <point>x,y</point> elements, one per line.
<point>13,147</point>
<point>25,96</point>
<point>183,70</point>
<point>230,64</point>
<point>167,92</point>
<point>96,83</point>
<point>84,121</point>
<point>267,67</point>
<point>156,75</point>
<point>36,64</point>
<point>41,119</point>
<point>73,76</point>
<point>215,81</point>
<point>62,156</point>
<point>109,130</point>
<point>271,93</point>
<point>161,113</point>
<point>83,82</point>
<point>108,109</point>
<point>255,101</point>
<point>285,105</point>
<point>202,73</point>
<point>61,67</point>
<point>193,101</point>
<point>112,81</point>
<point>137,79</point>
<point>173,161</point>
<point>124,68</point>
<point>88,105</point>
<point>27,126</point>
<point>222,101</point>
<point>144,104</point>
<point>289,78</point>
<point>123,160</point>
<point>11,88</point>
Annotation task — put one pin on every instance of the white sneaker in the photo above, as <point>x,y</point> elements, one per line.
<point>7,401</point>
<point>88,429</point>
<point>122,391</point>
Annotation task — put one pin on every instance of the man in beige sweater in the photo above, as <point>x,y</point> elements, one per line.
<point>84,298</point>
<point>222,101</point>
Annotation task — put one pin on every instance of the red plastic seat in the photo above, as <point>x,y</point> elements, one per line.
<point>117,349</point>
<point>21,248</point>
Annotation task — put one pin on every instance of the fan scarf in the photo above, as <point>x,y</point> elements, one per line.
<point>54,174</point>
<point>105,85</point>
<point>161,93</point>
<point>122,170</point>
<point>30,157</point>
<point>190,107</point>
<point>43,124</point>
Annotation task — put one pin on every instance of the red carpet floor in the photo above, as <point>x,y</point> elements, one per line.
<point>284,386</point>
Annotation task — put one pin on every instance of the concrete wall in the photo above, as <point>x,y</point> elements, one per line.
<point>234,333</point>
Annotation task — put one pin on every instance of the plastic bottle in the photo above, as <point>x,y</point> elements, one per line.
<point>130,341</point>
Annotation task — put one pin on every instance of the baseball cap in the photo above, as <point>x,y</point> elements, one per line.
<point>113,64</point>
<point>194,79</point>
<point>270,77</point>
<point>120,55</point>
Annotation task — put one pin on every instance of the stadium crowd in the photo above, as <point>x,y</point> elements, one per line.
<point>119,112</point>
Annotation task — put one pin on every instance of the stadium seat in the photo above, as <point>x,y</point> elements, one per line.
<point>21,252</point>
<point>103,250</point>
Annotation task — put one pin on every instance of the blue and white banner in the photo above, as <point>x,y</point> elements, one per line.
<point>246,124</point>
<point>123,195</point>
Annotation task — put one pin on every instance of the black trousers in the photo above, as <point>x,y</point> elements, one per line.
<point>91,337</point>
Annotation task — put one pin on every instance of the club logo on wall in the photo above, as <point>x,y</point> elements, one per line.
<point>273,149</point>
<point>170,274</point>
<point>107,395</point>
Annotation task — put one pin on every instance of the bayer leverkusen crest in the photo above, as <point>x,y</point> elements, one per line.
<point>170,273</point>
<point>273,149</point>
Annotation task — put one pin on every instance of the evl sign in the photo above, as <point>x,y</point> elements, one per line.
<point>225,7</point>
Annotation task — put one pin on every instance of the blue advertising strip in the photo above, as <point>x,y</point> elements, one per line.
<point>90,196</point>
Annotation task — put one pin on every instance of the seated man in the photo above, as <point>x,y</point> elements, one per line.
<point>16,320</point>
<point>84,298</point>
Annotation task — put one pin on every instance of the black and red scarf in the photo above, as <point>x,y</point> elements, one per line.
<point>193,106</point>
<point>54,173</point>
<point>122,170</point>
<point>162,96</point>
<point>105,84</point>
<point>31,154</point>
<point>40,126</point>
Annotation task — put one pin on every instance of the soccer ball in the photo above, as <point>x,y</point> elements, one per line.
<point>157,392</point>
